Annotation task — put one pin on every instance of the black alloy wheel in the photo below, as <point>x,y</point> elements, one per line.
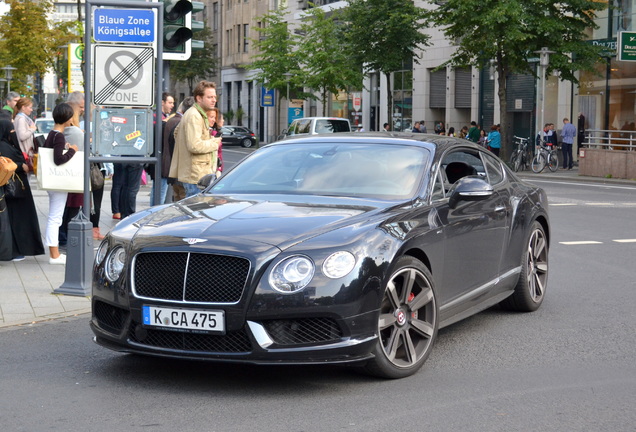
<point>408,321</point>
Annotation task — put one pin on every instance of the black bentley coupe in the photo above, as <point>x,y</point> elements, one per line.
<point>341,248</point>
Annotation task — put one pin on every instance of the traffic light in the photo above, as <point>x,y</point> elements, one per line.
<point>178,28</point>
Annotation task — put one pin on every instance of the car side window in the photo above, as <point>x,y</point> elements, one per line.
<point>493,169</point>
<point>438,187</point>
<point>303,127</point>
<point>460,164</point>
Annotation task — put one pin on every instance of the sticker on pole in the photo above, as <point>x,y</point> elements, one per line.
<point>123,76</point>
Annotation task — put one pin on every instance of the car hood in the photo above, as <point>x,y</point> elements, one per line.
<point>274,223</point>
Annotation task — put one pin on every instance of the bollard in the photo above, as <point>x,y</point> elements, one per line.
<point>79,258</point>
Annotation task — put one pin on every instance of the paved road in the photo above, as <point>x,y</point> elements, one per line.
<point>567,367</point>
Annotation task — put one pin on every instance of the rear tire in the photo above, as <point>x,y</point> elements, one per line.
<point>247,143</point>
<point>408,321</point>
<point>516,163</point>
<point>530,290</point>
<point>553,162</point>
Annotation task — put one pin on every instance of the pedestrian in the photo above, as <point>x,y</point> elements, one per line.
<point>451,131</point>
<point>483,138</point>
<point>552,136</point>
<point>386,127</point>
<point>195,151</point>
<point>463,133</point>
<point>167,104</point>
<point>168,148</point>
<point>567,137</point>
<point>25,127</point>
<point>9,106</point>
<point>416,127</point>
<point>473,132</point>
<point>215,118</point>
<point>22,218</point>
<point>494,139</point>
<point>63,117</point>
<point>422,126</point>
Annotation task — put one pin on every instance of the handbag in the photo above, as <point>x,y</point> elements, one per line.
<point>15,187</point>
<point>7,168</point>
<point>38,142</point>
<point>97,178</point>
<point>68,177</point>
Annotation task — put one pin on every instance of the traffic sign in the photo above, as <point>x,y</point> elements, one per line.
<point>267,97</point>
<point>123,75</point>
<point>124,25</point>
<point>627,46</point>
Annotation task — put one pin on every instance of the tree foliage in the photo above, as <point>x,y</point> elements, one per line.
<point>326,65</point>
<point>382,34</point>
<point>27,42</point>
<point>509,32</point>
<point>201,65</point>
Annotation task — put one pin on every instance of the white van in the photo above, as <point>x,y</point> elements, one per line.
<point>317,125</point>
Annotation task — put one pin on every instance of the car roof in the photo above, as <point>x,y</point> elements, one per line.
<point>439,142</point>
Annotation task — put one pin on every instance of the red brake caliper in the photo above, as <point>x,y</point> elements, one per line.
<point>410,299</point>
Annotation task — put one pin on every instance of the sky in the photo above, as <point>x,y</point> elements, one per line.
<point>4,8</point>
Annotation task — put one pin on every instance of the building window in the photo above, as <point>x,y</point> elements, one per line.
<point>238,38</point>
<point>402,111</point>
<point>228,38</point>
<point>215,16</point>
<point>246,38</point>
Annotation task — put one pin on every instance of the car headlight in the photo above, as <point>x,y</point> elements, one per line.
<point>101,252</point>
<point>292,274</point>
<point>115,263</point>
<point>338,264</point>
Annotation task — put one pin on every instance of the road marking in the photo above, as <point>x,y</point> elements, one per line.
<point>563,204</point>
<point>625,241</point>
<point>600,204</point>
<point>574,243</point>
<point>606,186</point>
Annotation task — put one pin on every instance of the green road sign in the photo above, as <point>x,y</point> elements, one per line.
<point>627,46</point>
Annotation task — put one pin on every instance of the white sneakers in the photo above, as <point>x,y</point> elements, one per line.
<point>61,260</point>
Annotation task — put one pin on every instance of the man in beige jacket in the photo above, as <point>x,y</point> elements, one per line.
<point>195,152</point>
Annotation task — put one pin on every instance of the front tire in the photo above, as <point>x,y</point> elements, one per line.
<point>247,143</point>
<point>538,163</point>
<point>553,162</point>
<point>530,290</point>
<point>408,321</point>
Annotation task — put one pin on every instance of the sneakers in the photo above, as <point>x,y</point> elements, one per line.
<point>61,260</point>
<point>18,258</point>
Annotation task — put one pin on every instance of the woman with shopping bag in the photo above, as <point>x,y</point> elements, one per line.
<point>62,154</point>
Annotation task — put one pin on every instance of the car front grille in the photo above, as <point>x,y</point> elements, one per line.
<point>303,330</point>
<point>109,318</point>
<point>190,277</point>
<point>232,342</point>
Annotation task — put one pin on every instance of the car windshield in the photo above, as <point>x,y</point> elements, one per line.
<point>382,171</point>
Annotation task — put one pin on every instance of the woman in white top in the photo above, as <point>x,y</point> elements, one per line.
<point>24,125</point>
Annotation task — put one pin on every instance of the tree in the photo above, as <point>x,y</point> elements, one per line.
<point>509,32</point>
<point>274,54</point>
<point>200,65</point>
<point>326,65</point>
<point>27,43</point>
<point>383,33</point>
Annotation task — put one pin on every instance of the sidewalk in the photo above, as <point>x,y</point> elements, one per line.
<point>26,287</point>
<point>26,291</point>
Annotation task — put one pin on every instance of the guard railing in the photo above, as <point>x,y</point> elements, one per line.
<point>610,139</point>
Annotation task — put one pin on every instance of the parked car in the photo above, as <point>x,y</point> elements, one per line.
<point>342,248</point>
<point>317,125</point>
<point>238,135</point>
<point>43,126</point>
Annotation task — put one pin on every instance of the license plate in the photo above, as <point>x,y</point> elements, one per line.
<point>184,319</point>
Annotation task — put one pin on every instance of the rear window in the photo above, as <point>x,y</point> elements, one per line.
<point>332,125</point>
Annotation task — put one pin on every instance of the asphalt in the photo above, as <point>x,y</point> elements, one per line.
<point>26,287</point>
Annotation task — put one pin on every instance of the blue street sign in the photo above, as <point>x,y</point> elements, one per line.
<point>124,25</point>
<point>267,97</point>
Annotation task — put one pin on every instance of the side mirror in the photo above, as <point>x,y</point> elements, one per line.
<point>470,188</point>
<point>206,181</point>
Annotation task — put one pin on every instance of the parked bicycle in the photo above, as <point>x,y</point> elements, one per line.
<point>546,155</point>
<point>521,156</point>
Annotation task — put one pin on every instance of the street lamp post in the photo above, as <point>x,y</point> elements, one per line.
<point>544,61</point>
<point>287,76</point>
<point>8,74</point>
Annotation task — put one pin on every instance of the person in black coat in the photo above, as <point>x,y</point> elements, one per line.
<point>23,218</point>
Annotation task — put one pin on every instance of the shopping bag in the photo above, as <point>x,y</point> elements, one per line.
<point>68,177</point>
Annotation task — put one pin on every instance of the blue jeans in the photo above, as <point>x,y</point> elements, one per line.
<point>126,182</point>
<point>163,190</point>
<point>191,189</point>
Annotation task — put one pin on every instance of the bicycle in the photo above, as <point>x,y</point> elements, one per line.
<point>521,156</point>
<point>546,155</point>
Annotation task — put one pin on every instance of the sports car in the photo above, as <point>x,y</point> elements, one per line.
<point>341,248</point>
